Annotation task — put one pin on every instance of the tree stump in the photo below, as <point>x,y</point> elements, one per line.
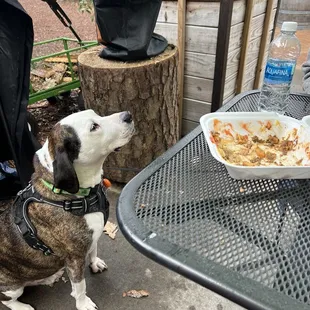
<point>148,89</point>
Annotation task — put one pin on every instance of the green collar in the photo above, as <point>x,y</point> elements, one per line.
<point>55,190</point>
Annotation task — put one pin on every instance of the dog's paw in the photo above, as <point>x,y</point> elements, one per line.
<point>86,304</point>
<point>98,265</point>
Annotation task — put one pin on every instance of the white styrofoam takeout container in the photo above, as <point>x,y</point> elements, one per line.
<point>257,172</point>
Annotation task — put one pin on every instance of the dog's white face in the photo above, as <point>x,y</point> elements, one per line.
<point>99,136</point>
<point>80,143</point>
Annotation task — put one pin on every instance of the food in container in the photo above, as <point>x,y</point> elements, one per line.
<point>259,145</point>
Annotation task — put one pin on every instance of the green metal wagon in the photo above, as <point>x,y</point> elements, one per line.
<point>64,87</point>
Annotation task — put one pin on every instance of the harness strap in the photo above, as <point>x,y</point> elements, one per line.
<point>96,202</point>
<point>23,222</point>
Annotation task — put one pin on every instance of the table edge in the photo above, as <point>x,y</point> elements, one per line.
<point>146,242</point>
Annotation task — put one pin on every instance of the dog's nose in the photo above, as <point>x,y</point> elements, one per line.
<point>126,117</point>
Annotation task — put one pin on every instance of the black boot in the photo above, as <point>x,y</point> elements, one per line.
<point>126,28</point>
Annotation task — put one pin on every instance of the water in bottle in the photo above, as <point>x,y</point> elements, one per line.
<point>283,53</point>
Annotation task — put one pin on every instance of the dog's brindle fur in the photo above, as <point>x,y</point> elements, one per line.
<point>67,235</point>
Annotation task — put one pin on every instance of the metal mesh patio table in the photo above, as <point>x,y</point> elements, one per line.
<point>247,240</point>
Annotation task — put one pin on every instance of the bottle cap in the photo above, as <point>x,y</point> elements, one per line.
<point>289,26</point>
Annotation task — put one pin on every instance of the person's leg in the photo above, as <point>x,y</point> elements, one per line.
<point>16,41</point>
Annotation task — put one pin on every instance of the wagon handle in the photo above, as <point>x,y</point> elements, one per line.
<point>63,17</point>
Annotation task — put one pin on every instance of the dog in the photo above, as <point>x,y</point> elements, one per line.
<point>69,163</point>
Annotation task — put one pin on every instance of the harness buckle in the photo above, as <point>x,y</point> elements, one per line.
<point>56,190</point>
<point>28,234</point>
<point>22,191</point>
<point>67,205</point>
<point>85,205</point>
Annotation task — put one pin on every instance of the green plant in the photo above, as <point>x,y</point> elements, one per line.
<point>86,6</point>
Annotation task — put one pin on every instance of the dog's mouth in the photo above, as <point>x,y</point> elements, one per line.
<point>127,135</point>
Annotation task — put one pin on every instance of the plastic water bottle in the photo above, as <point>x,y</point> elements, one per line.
<point>283,53</point>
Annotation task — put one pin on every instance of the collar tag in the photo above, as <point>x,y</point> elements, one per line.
<point>56,190</point>
<point>106,183</point>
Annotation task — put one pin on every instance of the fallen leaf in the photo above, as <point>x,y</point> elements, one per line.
<point>110,229</point>
<point>242,190</point>
<point>136,294</point>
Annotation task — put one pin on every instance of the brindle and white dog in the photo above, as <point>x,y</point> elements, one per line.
<point>72,158</point>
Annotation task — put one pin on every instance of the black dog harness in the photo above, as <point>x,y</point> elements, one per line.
<point>96,201</point>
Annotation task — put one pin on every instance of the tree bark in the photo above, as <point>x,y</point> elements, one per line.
<point>148,89</point>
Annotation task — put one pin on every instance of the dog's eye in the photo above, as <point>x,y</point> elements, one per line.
<point>94,127</point>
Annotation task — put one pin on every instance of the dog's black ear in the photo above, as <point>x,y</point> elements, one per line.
<point>65,145</point>
<point>64,174</point>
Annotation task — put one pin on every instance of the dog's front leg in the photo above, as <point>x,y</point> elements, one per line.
<point>75,269</point>
<point>96,264</point>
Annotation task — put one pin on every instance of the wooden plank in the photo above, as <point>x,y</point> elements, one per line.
<point>250,71</point>
<point>233,61</point>
<point>249,85</point>
<point>199,13</point>
<point>198,88</point>
<point>200,39</point>
<point>245,44</point>
<point>181,47</point>
<point>201,89</point>
<point>188,126</point>
<point>202,65</point>
<point>252,58</point>
<point>230,86</point>
<point>199,65</point>
<point>263,44</point>
<point>207,14</point>
<point>252,54</point>
<point>249,82</point>
<point>229,98</point>
<point>235,37</point>
<point>255,32</point>
<point>250,74</point>
<point>62,59</point>
<point>261,5</point>
<point>253,50</point>
<point>194,109</point>
<point>256,25</point>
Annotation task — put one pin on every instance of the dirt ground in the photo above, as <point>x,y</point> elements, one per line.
<point>47,25</point>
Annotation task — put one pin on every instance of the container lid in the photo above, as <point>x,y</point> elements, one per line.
<point>289,26</point>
